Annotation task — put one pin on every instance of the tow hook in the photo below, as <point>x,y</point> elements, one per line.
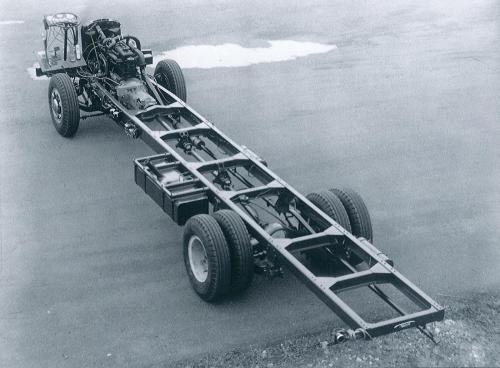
<point>344,335</point>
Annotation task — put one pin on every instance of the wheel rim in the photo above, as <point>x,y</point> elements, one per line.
<point>56,106</point>
<point>198,260</point>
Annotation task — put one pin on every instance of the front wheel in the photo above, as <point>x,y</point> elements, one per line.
<point>169,75</point>
<point>63,105</point>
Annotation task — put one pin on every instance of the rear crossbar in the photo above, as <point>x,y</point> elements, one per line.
<point>330,288</point>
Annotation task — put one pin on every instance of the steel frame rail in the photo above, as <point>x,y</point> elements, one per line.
<point>379,271</point>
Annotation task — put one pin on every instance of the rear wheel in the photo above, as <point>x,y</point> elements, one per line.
<point>206,257</point>
<point>331,205</point>
<point>238,240</point>
<point>169,75</point>
<point>361,224</point>
<point>63,105</point>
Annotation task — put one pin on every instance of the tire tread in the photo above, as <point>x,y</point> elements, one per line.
<point>240,249</point>
<point>207,228</point>
<point>69,101</point>
<point>173,78</point>
<point>332,206</point>
<point>357,211</point>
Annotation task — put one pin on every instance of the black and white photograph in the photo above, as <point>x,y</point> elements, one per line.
<point>250,184</point>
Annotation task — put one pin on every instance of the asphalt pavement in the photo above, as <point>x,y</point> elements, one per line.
<point>405,111</point>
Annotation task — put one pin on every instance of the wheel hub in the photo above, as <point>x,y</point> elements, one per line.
<point>198,260</point>
<point>56,106</point>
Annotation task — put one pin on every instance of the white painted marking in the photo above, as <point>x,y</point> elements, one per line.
<point>232,55</point>
<point>7,22</point>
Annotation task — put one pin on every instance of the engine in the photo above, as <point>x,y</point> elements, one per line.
<point>124,56</point>
<point>107,51</point>
<point>111,55</point>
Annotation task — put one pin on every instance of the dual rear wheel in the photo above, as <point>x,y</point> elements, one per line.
<point>347,208</point>
<point>218,255</point>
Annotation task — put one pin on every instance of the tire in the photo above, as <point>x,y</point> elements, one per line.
<point>359,216</point>
<point>63,105</point>
<point>203,231</point>
<point>169,75</point>
<point>240,249</point>
<point>331,205</point>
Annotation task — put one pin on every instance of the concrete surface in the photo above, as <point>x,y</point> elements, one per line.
<point>405,110</point>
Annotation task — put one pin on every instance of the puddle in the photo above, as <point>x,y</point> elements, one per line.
<point>230,55</point>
